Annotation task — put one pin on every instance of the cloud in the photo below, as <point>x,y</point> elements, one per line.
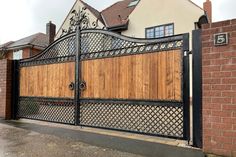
<point>50,10</point>
<point>224,9</point>
<point>27,17</point>
<point>14,19</point>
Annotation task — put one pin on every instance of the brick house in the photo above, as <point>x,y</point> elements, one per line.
<point>28,46</point>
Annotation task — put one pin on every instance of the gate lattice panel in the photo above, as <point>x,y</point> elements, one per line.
<point>61,111</point>
<point>154,118</point>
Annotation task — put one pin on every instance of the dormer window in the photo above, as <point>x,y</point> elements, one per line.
<point>133,3</point>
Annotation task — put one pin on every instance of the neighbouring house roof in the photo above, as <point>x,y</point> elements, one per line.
<point>6,44</point>
<point>39,40</point>
<point>117,14</point>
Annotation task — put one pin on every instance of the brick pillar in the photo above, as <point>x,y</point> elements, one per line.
<point>5,88</point>
<point>219,90</point>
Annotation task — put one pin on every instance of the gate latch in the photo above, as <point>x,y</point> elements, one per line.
<point>82,85</point>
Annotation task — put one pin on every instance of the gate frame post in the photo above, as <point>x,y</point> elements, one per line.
<point>77,75</point>
<point>197,88</point>
<point>15,89</point>
<point>186,87</point>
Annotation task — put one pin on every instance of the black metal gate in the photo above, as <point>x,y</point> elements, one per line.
<point>161,117</point>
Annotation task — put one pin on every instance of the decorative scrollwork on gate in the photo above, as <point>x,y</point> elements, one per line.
<point>80,18</point>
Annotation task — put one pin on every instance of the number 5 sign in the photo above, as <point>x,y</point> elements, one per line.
<point>221,39</point>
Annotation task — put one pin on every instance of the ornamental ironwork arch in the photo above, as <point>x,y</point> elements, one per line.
<point>80,19</point>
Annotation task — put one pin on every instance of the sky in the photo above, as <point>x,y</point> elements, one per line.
<point>21,18</point>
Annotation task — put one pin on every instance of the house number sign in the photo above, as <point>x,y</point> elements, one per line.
<point>221,39</point>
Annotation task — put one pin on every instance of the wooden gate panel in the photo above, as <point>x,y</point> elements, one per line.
<point>152,76</point>
<point>51,80</point>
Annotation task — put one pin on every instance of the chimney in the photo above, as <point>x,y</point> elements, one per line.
<point>207,6</point>
<point>51,31</point>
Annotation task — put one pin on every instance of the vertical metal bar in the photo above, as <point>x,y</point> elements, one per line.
<point>186,86</point>
<point>77,76</point>
<point>197,89</point>
<point>15,88</point>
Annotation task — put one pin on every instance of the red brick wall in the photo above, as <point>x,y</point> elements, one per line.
<point>35,52</point>
<point>9,55</point>
<point>5,89</point>
<point>26,53</point>
<point>219,90</point>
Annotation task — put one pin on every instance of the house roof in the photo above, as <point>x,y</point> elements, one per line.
<point>117,14</point>
<point>95,12</point>
<point>39,40</point>
<point>6,44</point>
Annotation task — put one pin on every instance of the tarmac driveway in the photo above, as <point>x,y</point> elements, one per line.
<point>20,142</point>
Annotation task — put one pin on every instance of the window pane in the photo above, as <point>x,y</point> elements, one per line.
<point>150,33</point>
<point>169,30</point>
<point>159,32</point>
<point>17,55</point>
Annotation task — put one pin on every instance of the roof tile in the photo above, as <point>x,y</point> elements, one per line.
<point>39,39</point>
<point>117,14</point>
